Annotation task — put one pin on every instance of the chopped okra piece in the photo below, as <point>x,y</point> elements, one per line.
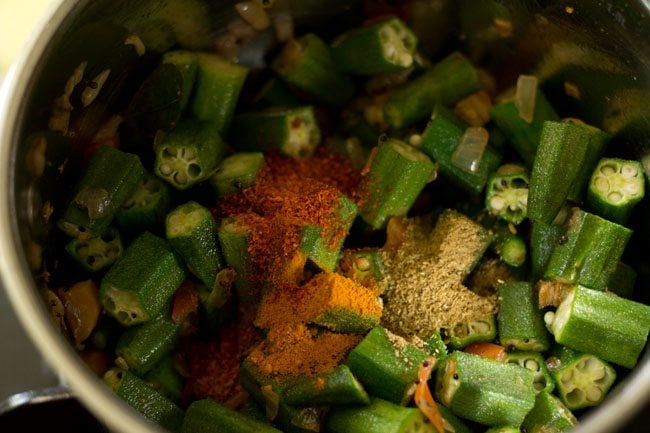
<point>187,63</point>
<point>558,166</point>
<point>484,390</point>
<point>234,236</point>
<point>622,281</point>
<point>616,186</point>
<point>189,154</point>
<point>141,348</point>
<point>441,140</point>
<point>307,64</point>
<point>503,430</point>
<point>582,379</point>
<point>386,365</point>
<point>510,247</point>
<point>451,422</point>
<point>275,93</point>
<point>338,387</point>
<point>602,324</point>
<point>507,193</point>
<point>397,174</point>
<point>446,82</point>
<point>588,252</point>
<point>534,361</point>
<point>192,232</point>
<point>208,416</point>
<point>549,415</point>
<point>216,90</point>
<point>351,149</point>
<point>543,239</point>
<point>379,417</point>
<point>387,46</point>
<point>164,378</point>
<point>143,398</point>
<point>236,173</point>
<point>147,206</point>
<point>465,333</point>
<point>293,132</point>
<point>110,178</point>
<point>139,285</point>
<point>364,267</point>
<point>522,131</point>
<point>521,325</point>
<point>95,254</point>
<point>436,346</point>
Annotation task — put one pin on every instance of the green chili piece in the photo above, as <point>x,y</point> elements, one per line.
<point>465,333</point>
<point>507,193</point>
<point>147,206</point>
<point>387,46</point>
<point>613,329</point>
<point>520,321</point>
<point>208,416</point>
<point>236,173</point>
<point>293,132</point>
<point>139,285</point>
<point>534,361</point>
<point>338,387</point>
<point>164,378</point>
<point>95,254</point>
<point>109,179</point>
<point>549,415</point>
<point>189,154</point>
<point>187,63</point>
<point>616,186</point>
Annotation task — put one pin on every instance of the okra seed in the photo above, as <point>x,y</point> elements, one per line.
<point>631,189</point>
<point>188,153</point>
<point>82,249</point>
<point>608,169</point>
<point>180,178</point>
<point>615,197</point>
<point>594,394</point>
<point>165,169</point>
<point>629,172</point>
<point>566,376</point>
<point>170,151</point>
<point>531,364</point>
<point>497,203</point>
<point>601,184</point>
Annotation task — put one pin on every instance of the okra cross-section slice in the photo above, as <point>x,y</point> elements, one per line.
<point>387,46</point>
<point>484,390</point>
<point>165,378</point>
<point>386,365</point>
<point>293,132</point>
<point>95,254</point>
<point>602,324</point>
<point>521,324</point>
<point>208,416</point>
<point>465,333</point>
<point>397,175</point>
<point>379,417</point>
<point>364,267</point>
<point>307,64</point>
<point>509,246</point>
<point>143,398</point>
<point>534,361</point>
<point>147,206</point>
<point>236,173</point>
<point>108,181</point>
<point>192,232</point>
<point>142,281</point>
<point>507,193</point>
<point>588,252</point>
<point>549,415</point>
<point>582,379</point>
<point>338,387</point>
<point>616,186</point>
<point>189,154</point>
<point>441,140</point>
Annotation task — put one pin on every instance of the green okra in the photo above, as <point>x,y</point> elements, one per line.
<point>510,247</point>
<point>465,333</point>
<point>192,232</point>
<point>534,361</point>
<point>365,267</point>
<point>597,142</point>
<point>473,388</point>
<point>275,93</point>
<point>524,136</point>
<point>451,422</point>
<point>307,64</point>
<point>379,417</point>
<point>543,238</point>
<point>386,370</point>
<point>440,140</point>
<point>189,154</point>
<point>253,410</point>
<point>549,415</point>
<point>106,334</point>
<point>589,251</point>
<point>616,186</point>
<point>208,416</point>
<point>445,83</point>
<point>293,132</point>
<point>164,378</point>
<point>234,236</point>
<point>507,193</point>
<point>558,164</point>
<point>236,173</point>
<point>503,430</point>
<point>143,398</point>
<point>622,281</point>
<point>435,345</point>
<point>95,254</point>
<point>216,90</point>
<point>338,387</point>
<point>141,348</point>
<point>349,148</point>
<point>109,179</point>
<point>520,321</point>
<point>397,175</point>
<point>387,46</point>
<point>138,286</point>
<point>582,379</point>
<point>613,329</point>
<point>147,206</point>
<point>187,63</point>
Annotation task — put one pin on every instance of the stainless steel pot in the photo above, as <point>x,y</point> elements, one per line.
<point>614,36</point>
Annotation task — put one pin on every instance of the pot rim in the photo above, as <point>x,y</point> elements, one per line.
<point>23,294</point>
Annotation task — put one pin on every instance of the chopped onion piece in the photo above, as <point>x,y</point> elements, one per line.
<point>526,97</point>
<point>254,14</point>
<point>470,149</point>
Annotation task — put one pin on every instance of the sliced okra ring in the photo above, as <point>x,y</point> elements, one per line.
<point>463,334</point>
<point>365,267</point>
<point>616,186</point>
<point>236,173</point>
<point>147,206</point>
<point>534,361</point>
<point>507,193</point>
<point>96,253</point>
